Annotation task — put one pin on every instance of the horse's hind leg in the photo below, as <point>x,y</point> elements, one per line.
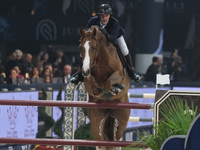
<point>116,124</point>
<point>97,119</point>
<point>123,118</point>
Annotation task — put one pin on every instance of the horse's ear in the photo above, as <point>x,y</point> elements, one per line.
<point>94,32</point>
<point>81,31</point>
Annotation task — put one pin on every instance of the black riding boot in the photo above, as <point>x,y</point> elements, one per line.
<point>137,77</point>
<point>77,77</point>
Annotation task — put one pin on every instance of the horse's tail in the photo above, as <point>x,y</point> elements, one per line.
<point>109,128</point>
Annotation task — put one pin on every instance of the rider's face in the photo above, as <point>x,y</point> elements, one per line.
<point>104,18</point>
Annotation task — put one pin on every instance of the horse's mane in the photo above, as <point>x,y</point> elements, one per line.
<point>98,35</point>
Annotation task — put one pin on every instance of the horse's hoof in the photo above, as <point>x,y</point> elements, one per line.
<point>97,93</point>
<point>116,90</point>
<point>120,86</point>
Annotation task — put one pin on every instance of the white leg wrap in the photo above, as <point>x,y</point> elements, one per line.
<point>122,45</point>
<point>115,128</point>
<point>101,128</point>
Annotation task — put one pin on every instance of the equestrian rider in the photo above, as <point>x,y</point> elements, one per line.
<point>114,33</point>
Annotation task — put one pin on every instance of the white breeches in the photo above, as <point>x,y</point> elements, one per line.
<point>120,42</point>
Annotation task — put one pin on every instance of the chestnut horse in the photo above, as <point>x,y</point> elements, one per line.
<point>105,79</point>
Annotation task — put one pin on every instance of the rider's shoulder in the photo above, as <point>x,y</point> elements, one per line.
<point>94,18</point>
<point>114,19</point>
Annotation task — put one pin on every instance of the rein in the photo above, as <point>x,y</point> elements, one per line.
<point>94,59</point>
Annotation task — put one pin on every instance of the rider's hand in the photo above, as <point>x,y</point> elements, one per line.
<point>103,30</point>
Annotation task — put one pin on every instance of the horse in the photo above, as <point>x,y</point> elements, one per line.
<point>105,80</point>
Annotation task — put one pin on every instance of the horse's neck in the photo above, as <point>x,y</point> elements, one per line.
<point>104,51</point>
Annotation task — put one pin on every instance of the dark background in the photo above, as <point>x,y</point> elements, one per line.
<point>20,29</point>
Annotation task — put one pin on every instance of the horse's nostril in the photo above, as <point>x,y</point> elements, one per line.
<point>86,73</point>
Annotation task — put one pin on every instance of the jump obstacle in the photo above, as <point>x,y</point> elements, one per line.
<point>70,142</point>
<point>70,95</point>
<point>111,105</point>
<point>144,95</point>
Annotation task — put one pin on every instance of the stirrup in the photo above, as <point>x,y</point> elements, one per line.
<point>140,78</point>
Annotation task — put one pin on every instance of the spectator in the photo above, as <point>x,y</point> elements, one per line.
<point>2,75</point>
<point>35,73</point>
<point>57,62</point>
<point>67,70</point>
<point>176,68</point>
<point>57,73</point>
<point>35,78</point>
<point>27,65</point>
<point>13,78</point>
<point>9,63</point>
<point>47,79</point>
<point>49,66</point>
<point>65,59</point>
<point>41,59</point>
<point>153,69</point>
<point>15,59</point>
<point>20,76</point>
<point>46,72</point>
<point>18,54</point>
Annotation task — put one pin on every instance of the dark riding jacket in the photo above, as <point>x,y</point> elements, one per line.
<point>113,27</point>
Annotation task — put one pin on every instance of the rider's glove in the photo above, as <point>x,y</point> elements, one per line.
<point>104,31</point>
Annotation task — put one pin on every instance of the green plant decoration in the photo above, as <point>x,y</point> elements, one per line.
<point>83,132</point>
<point>176,120</point>
<point>42,115</point>
<point>58,125</point>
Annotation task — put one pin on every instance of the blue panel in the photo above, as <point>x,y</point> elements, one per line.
<point>174,143</point>
<point>193,137</point>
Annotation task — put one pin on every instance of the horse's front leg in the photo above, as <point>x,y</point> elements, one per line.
<point>93,87</point>
<point>114,83</point>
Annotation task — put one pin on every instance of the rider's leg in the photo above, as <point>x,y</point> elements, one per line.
<point>137,77</point>
<point>77,77</point>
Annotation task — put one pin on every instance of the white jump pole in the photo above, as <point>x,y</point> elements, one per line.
<point>144,95</point>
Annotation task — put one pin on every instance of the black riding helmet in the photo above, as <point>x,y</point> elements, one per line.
<point>104,9</point>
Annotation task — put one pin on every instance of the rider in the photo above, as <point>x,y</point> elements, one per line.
<point>114,33</point>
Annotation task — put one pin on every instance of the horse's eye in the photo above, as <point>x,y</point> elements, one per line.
<point>93,48</point>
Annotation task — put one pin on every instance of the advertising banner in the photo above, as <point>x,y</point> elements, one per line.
<point>19,121</point>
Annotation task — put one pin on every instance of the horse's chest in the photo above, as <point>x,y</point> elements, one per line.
<point>101,72</point>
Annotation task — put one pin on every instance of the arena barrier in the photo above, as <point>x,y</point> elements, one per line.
<point>70,142</point>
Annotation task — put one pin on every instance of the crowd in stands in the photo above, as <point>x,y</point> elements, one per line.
<point>46,67</point>
<point>53,66</point>
<point>174,66</point>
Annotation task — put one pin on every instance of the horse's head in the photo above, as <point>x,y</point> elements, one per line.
<point>88,45</point>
